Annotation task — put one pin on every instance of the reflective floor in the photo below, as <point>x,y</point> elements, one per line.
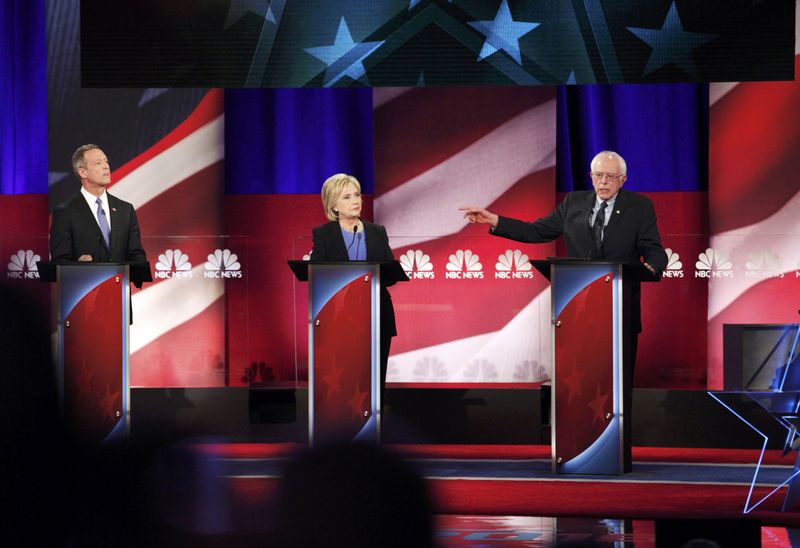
<point>453,530</point>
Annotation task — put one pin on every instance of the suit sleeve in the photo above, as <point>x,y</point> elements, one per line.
<point>388,254</point>
<point>135,249</point>
<point>318,252</point>
<point>60,236</point>
<point>649,240</point>
<point>544,230</point>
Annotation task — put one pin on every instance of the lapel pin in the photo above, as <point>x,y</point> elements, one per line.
<point>114,209</point>
<point>618,212</point>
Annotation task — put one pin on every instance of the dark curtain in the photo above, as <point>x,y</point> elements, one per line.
<point>660,129</point>
<point>23,97</point>
<point>288,141</point>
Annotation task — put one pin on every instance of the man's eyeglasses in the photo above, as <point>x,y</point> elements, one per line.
<point>599,176</point>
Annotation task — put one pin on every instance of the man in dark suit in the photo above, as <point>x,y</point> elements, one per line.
<point>95,226</point>
<point>606,224</point>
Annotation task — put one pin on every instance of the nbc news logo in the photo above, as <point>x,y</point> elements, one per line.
<point>763,264</point>
<point>223,264</point>
<point>417,265</point>
<point>464,265</point>
<point>513,265</point>
<point>713,264</point>
<point>674,265</point>
<point>173,263</point>
<point>22,265</point>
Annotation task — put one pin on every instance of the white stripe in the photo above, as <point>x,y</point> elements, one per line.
<point>777,233</point>
<point>381,96</point>
<point>203,148</point>
<point>719,90</point>
<point>426,206</point>
<point>168,304</point>
<point>523,340</point>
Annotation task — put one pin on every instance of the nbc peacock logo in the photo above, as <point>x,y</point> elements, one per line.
<point>173,263</point>
<point>223,264</point>
<point>22,265</point>
<point>417,265</point>
<point>513,265</point>
<point>674,265</point>
<point>763,264</point>
<point>464,265</point>
<point>712,263</point>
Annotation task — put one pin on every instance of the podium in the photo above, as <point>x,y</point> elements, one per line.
<point>591,380</point>
<point>93,317</point>
<point>344,346</point>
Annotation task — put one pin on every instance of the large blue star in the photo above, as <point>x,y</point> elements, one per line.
<point>503,33</point>
<point>781,407</point>
<point>671,44</point>
<point>344,57</point>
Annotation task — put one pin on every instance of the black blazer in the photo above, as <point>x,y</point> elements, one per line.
<point>631,234</point>
<point>75,232</point>
<point>329,245</point>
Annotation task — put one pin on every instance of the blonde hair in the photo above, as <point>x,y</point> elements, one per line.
<point>332,190</point>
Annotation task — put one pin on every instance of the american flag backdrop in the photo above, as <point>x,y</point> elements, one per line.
<point>474,311</point>
<point>754,208</point>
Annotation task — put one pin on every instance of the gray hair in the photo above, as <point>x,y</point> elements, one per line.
<point>610,154</point>
<point>78,158</point>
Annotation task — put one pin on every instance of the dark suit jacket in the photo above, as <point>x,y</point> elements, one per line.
<point>329,245</point>
<point>75,232</point>
<point>631,234</point>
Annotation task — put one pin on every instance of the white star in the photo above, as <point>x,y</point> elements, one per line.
<point>503,33</point>
<point>344,57</point>
<point>671,44</point>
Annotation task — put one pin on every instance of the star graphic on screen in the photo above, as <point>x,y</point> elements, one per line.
<point>413,3</point>
<point>333,381</point>
<point>671,44</point>
<point>344,57</point>
<point>598,405</point>
<point>239,8</point>
<point>503,33</point>
<point>357,402</point>
<point>573,383</point>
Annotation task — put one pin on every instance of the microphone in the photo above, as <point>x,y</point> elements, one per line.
<point>355,229</point>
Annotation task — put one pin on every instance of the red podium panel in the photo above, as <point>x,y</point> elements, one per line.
<point>590,316</point>
<point>584,367</point>
<point>342,359</point>
<point>93,352</point>
<point>344,345</point>
<point>93,361</point>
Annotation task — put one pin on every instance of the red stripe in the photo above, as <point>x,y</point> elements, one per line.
<point>209,109</point>
<point>421,326</point>
<point>753,158</point>
<point>617,499</point>
<point>426,126</point>
<point>181,358</point>
<point>193,207</point>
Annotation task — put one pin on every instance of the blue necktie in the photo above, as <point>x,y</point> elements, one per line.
<point>103,222</point>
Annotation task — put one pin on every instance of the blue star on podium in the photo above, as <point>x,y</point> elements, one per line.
<point>344,57</point>
<point>503,33</point>
<point>671,44</point>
